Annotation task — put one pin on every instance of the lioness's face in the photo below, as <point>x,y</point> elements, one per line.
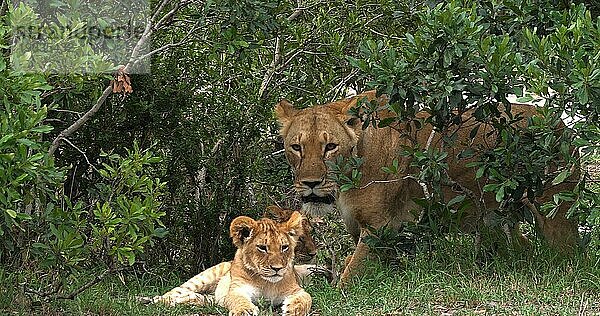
<point>311,137</point>
<point>267,247</point>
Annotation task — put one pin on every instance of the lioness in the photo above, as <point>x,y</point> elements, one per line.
<point>318,134</point>
<point>262,268</point>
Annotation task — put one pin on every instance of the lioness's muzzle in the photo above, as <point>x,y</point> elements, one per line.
<point>327,199</point>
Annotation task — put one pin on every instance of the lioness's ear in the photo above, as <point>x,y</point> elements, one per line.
<point>284,111</point>
<point>241,229</point>
<point>344,106</point>
<point>294,224</point>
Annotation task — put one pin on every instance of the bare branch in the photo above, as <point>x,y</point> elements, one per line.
<point>91,283</point>
<point>342,83</point>
<point>384,35</point>
<point>160,7</point>
<point>272,67</point>
<point>66,111</point>
<point>81,152</point>
<point>75,126</point>
<point>170,45</point>
<point>276,153</point>
<point>430,139</point>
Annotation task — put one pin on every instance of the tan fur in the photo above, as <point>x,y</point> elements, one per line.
<point>253,273</point>
<point>388,199</point>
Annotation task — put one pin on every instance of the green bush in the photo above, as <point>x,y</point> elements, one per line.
<point>470,56</point>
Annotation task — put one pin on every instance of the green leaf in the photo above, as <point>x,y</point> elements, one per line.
<point>346,187</point>
<point>456,199</point>
<point>479,172</point>
<point>160,232</point>
<point>11,213</point>
<point>36,157</point>
<point>26,142</point>
<point>490,187</point>
<point>500,194</point>
<point>525,99</point>
<point>5,138</point>
<point>42,129</point>
<point>561,177</point>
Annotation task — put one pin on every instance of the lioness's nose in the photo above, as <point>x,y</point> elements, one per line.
<point>311,184</point>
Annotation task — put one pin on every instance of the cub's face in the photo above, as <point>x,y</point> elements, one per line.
<point>312,137</point>
<point>267,247</point>
<point>306,248</point>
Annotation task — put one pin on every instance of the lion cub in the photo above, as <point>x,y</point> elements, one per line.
<point>262,268</point>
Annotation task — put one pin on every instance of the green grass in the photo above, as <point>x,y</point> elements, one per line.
<point>448,282</point>
<point>433,287</point>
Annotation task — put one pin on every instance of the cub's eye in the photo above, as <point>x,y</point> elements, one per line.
<point>296,147</point>
<point>330,147</point>
<point>285,248</point>
<point>262,248</point>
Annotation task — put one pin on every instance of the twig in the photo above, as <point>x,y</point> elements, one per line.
<point>170,45</point>
<point>276,153</point>
<point>81,152</point>
<point>66,111</point>
<point>272,67</point>
<point>423,185</point>
<point>430,139</point>
<point>91,283</point>
<point>384,35</point>
<point>344,81</point>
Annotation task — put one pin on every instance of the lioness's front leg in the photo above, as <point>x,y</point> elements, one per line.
<point>355,261</point>
<point>297,304</point>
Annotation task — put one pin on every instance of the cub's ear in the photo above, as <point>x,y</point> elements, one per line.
<point>284,111</point>
<point>277,213</point>
<point>241,229</point>
<point>294,224</point>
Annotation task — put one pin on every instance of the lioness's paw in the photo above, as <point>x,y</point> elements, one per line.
<point>244,311</point>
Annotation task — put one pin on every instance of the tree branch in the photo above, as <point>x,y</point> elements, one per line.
<point>75,126</point>
<point>149,30</point>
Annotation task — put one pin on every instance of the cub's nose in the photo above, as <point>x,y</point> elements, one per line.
<point>276,268</point>
<point>311,184</point>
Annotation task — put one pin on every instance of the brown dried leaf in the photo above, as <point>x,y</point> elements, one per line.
<point>122,82</point>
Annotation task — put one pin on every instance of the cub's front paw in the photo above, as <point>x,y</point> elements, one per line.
<point>244,310</point>
<point>297,305</point>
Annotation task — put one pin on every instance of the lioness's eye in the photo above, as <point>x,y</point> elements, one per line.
<point>296,147</point>
<point>330,147</point>
<point>285,248</point>
<point>262,248</point>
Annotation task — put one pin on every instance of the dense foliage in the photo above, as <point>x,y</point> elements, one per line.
<point>156,175</point>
